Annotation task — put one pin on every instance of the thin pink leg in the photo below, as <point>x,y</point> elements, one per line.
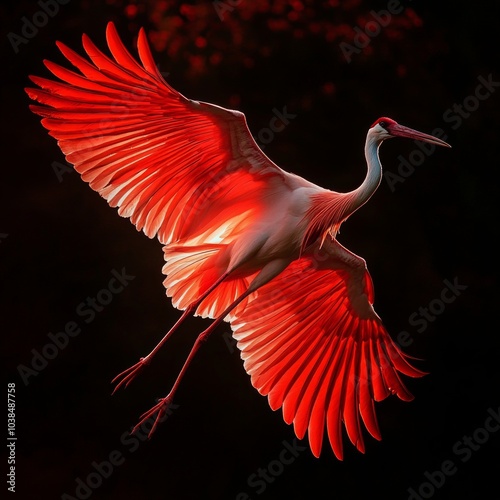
<point>124,378</point>
<point>161,407</point>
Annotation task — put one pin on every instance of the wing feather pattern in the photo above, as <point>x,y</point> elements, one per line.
<point>185,171</point>
<point>191,174</point>
<point>169,163</point>
<point>313,344</point>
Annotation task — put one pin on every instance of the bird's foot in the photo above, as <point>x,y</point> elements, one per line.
<point>160,409</point>
<point>124,378</point>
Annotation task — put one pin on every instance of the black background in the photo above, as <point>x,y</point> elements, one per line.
<point>63,241</point>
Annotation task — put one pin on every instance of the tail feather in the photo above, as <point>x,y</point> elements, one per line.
<point>192,270</point>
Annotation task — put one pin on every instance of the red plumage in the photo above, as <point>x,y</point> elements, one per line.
<point>243,240</point>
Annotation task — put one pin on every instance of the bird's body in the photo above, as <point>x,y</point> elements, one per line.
<point>244,241</point>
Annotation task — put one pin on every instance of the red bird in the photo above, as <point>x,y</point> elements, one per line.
<point>244,241</point>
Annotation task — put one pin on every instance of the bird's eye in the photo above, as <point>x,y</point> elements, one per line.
<point>383,124</point>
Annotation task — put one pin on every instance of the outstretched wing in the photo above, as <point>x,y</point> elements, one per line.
<point>186,171</point>
<point>180,169</point>
<point>313,344</point>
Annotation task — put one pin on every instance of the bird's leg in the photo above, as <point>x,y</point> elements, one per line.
<point>124,378</point>
<point>163,403</point>
<point>267,273</point>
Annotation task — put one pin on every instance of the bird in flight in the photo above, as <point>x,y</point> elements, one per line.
<point>243,240</point>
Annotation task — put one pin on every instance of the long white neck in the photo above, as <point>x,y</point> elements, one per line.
<point>363,193</point>
<point>329,209</point>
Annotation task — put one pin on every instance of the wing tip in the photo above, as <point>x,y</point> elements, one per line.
<point>61,46</point>
<point>85,38</point>
<point>30,91</point>
<point>112,32</point>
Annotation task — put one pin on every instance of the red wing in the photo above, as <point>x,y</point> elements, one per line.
<point>312,343</point>
<point>178,168</point>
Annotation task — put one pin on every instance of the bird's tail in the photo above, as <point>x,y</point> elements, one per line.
<point>192,270</point>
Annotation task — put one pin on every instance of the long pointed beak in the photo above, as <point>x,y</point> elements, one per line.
<point>402,131</point>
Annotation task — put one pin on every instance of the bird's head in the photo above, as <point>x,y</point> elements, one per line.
<point>386,128</point>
